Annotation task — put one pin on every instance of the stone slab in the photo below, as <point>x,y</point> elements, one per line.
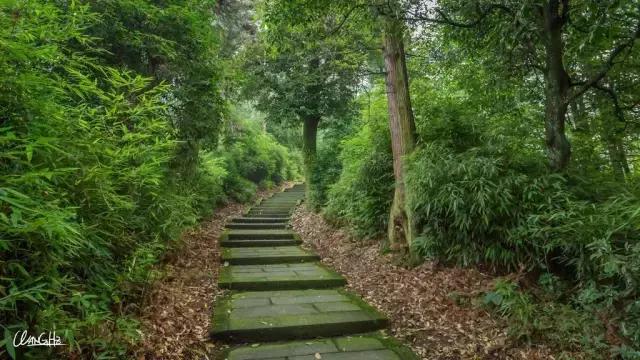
<point>280,217</point>
<point>258,225</point>
<point>267,255</point>
<point>260,234</point>
<point>226,243</point>
<point>363,347</point>
<point>248,219</point>
<point>276,213</point>
<point>291,315</point>
<point>279,277</point>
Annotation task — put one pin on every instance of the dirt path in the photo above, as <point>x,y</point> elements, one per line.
<point>423,303</point>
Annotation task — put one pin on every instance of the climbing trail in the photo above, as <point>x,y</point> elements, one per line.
<point>281,294</point>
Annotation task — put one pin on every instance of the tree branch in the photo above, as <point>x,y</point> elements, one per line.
<point>445,19</point>
<point>344,20</point>
<point>607,66</point>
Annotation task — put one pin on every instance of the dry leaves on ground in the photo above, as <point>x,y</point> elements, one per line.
<point>420,302</point>
<point>176,317</point>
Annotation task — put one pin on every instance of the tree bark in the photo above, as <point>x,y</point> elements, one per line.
<point>402,127</point>
<point>309,137</point>
<point>555,15</point>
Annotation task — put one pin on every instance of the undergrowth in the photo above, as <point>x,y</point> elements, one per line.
<point>90,194</point>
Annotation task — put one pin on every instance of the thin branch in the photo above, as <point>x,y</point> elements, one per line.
<point>344,20</point>
<point>614,99</point>
<point>607,66</point>
<point>444,19</point>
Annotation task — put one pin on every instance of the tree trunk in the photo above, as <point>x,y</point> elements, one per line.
<point>617,156</point>
<point>555,14</point>
<point>580,120</point>
<point>309,136</point>
<point>402,127</point>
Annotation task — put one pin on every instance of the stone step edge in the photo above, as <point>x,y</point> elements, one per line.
<point>259,243</point>
<point>378,322</point>
<point>387,342</point>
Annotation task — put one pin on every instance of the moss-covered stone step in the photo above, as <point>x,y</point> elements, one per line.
<point>270,211</point>
<point>281,217</point>
<point>293,314</point>
<point>260,234</point>
<point>280,202</point>
<point>248,219</point>
<point>273,208</point>
<point>279,277</point>
<point>259,242</point>
<point>359,347</point>
<point>267,255</point>
<point>257,225</point>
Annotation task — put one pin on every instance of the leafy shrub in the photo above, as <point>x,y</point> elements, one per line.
<point>254,158</point>
<point>477,206</point>
<point>89,200</point>
<point>362,196</point>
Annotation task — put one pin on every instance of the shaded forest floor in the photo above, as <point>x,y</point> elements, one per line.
<point>430,307</point>
<point>176,315</point>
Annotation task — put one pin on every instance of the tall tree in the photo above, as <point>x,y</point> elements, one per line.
<point>551,38</point>
<point>301,77</point>
<point>401,123</point>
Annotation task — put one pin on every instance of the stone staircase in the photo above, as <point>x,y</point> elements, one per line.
<point>281,293</point>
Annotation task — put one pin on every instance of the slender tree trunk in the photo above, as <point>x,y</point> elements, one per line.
<point>402,127</point>
<point>617,156</point>
<point>555,14</point>
<point>309,136</point>
<point>580,121</point>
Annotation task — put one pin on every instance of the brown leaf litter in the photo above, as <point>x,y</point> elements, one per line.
<point>422,303</point>
<point>176,316</point>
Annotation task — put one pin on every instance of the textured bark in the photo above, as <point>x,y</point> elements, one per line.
<point>402,127</point>
<point>555,15</point>
<point>309,137</point>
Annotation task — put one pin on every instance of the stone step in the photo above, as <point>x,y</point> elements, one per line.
<point>246,219</point>
<point>258,225</point>
<point>260,234</point>
<point>274,206</point>
<point>278,216</point>
<point>259,243</point>
<point>278,277</point>
<point>265,209</point>
<point>267,255</point>
<point>268,214</point>
<point>270,210</point>
<point>361,347</point>
<point>293,314</point>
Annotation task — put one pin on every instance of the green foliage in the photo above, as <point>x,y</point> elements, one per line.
<point>558,324</point>
<point>89,199</point>
<point>253,157</point>
<point>362,195</point>
<point>175,42</point>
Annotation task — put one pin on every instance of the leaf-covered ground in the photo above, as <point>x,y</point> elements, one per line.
<point>430,307</point>
<point>176,315</point>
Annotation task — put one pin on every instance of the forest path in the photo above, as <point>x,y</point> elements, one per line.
<point>280,293</point>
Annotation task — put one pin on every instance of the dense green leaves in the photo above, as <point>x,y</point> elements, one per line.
<point>97,104</point>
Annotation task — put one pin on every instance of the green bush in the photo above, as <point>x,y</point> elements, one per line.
<point>478,207</point>
<point>89,200</point>
<point>362,196</point>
